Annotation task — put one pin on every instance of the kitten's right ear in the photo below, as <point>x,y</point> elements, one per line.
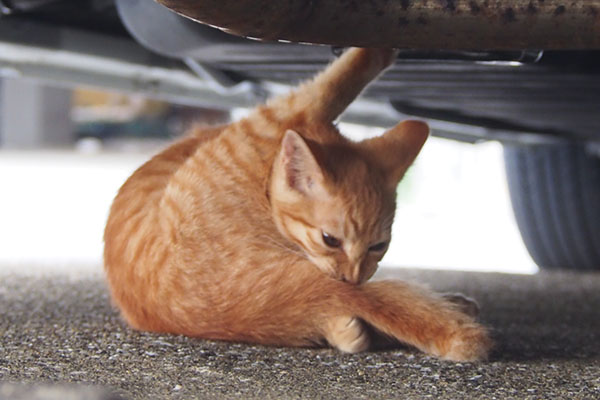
<point>397,148</point>
<point>298,165</point>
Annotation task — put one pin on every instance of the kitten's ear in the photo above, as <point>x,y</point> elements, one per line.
<point>300,169</point>
<point>397,148</point>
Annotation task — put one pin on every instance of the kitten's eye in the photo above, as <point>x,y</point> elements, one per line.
<point>378,247</point>
<point>331,241</point>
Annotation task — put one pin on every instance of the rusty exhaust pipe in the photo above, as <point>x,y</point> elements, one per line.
<point>408,24</point>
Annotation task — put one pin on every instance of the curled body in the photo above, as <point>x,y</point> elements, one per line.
<point>266,230</point>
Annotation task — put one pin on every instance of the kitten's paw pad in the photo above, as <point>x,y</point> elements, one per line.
<point>464,303</point>
<point>348,334</point>
<point>470,343</point>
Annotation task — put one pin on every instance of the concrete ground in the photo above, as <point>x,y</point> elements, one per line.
<point>59,328</point>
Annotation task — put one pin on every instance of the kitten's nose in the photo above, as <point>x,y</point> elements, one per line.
<point>353,276</point>
<point>349,280</point>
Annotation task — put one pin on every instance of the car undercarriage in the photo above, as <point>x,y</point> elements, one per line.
<point>526,74</point>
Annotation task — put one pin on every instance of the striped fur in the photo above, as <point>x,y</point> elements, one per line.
<point>220,236</point>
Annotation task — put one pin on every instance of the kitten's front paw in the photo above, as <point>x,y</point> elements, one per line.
<point>470,343</point>
<point>348,334</point>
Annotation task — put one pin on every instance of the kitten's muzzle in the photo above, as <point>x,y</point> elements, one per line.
<point>354,278</point>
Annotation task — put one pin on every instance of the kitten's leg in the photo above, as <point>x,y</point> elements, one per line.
<point>347,334</point>
<point>326,96</point>
<point>462,303</point>
<point>428,322</point>
<point>299,306</point>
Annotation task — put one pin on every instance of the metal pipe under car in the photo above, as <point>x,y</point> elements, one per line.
<point>409,24</point>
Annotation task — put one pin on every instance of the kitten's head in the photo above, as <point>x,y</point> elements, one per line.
<point>337,202</point>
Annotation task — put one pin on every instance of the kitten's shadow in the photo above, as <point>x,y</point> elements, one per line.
<point>550,316</point>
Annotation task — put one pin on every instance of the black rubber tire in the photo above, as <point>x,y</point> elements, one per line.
<point>555,194</point>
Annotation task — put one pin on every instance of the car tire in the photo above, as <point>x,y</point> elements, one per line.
<point>555,194</point>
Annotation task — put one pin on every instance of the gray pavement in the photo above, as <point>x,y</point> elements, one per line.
<point>59,328</point>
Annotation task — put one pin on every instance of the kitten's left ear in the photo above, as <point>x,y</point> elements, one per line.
<point>299,168</point>
<point>397,148</point>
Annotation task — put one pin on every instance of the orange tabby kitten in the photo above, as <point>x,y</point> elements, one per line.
<point>265,230</point>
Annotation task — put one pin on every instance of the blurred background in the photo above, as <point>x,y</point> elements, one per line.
<point>64,154</point>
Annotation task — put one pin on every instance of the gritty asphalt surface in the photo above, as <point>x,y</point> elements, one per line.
<point>60,329</point>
